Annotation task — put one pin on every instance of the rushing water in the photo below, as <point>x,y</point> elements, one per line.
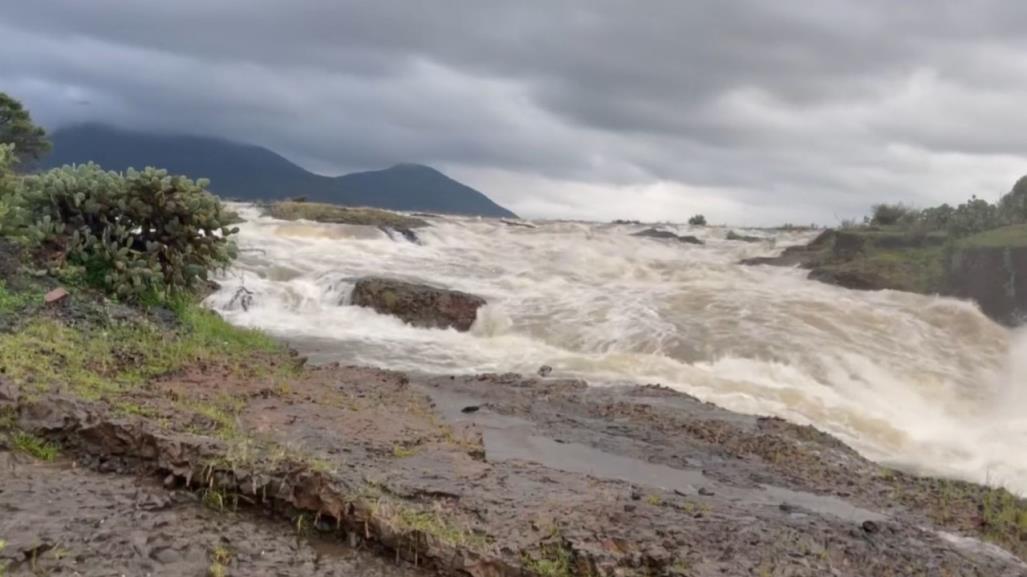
<point>921,382</point>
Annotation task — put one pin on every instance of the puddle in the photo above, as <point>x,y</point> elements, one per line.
<point>822,504</point>
<point>510,438</point>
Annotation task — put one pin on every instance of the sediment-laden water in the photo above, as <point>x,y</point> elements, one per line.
<point>921,382</point>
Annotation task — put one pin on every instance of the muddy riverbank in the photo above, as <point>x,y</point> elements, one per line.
<point>62,519</point>
<point>487,475</point>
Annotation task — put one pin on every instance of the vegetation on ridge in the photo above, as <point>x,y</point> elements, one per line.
<point>331,213</point>
<point>18,130</point>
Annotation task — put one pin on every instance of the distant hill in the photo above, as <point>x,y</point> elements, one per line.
<point>247,172</point>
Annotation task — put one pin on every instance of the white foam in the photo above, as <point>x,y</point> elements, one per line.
<point>924,382</point>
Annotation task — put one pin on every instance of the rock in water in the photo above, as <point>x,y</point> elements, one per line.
<point>667,235</point>
<point>732,235</point>
<point>417,304</point>
<point>404,232</point>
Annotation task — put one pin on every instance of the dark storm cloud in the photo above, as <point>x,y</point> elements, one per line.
<point>568,108</point>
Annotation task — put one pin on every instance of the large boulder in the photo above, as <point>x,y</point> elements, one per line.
<point>667,235</point>
<point>417,304</point>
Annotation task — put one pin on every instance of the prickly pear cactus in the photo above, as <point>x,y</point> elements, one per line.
<point>134,233</point>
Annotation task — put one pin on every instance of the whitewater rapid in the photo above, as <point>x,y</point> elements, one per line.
<point>924,383</point>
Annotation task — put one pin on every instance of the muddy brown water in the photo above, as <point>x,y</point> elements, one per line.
<point>58,519</point>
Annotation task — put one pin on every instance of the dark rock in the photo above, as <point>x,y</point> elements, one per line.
<point>417,304</point>
<point>805,256</point>
<point>406,233</point>
<point>164,317</point>
<point>516,223</point>
<point>994,277</point>
<point>667,235</point>
<point>242,299</point>
<point>871,527</point>
<point>732,235</point>
<point>706,492</point>
<point>545,371</point>
<point>848,245</point>
<point>470,409</point>
<point>620,221</point>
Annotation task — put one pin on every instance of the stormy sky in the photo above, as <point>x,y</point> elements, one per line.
<point>750,111</point>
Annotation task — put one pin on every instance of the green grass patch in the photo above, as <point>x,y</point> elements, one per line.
<point>220,559</point>
<point>1008,236</point>
<point>432,525</point>
<point>34,446</point>
<point>330,213</point>
<point>96,362</point>
<point>15,302</point>
<point>1005,520</point>
<point>223,412</point>
<point>554,560</point>
<point>130,408</point>
<point>920,270</point>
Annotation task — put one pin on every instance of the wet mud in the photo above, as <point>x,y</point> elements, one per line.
<point>484,476</point>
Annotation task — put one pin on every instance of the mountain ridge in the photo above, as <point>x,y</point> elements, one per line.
<point>249,172</point>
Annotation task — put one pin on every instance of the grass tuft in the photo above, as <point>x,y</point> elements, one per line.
<point>554,560</point>
<point>35,447</point>
<point>432,525</point>
<point>220,558</point>
<point>1004,517</point>
<point>97,362</point>
<point>1005,237</point>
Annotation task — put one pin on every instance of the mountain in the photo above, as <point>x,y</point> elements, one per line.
<point>247,172</point>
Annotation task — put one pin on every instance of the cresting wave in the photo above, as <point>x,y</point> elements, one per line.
<point>920,382</point>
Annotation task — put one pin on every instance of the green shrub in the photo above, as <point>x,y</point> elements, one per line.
<point>697,220</point>
<point>7,181</point>
<point>891,214</point>
<point>973,216</point>
<point>1014,204</point>
<point>17,129</point>
<point>132,234</point>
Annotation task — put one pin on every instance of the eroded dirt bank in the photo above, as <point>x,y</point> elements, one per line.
<point>506,475</point>
<point>59,519</point>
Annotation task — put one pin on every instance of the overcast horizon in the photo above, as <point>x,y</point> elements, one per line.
<point>749,112</point>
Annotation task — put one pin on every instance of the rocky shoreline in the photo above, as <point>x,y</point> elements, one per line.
<point>144,440</point>
<point>989,268</point>
<point>492,475</point>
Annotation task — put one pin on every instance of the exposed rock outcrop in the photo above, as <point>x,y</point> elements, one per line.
<point>405,233</point>
<point>667,235</point>
<point>802,256</point>
<point>335,214</point>
<point>732,235</point>
<point>989,268</point>
<point>418,304</point>
<point>996,278</point>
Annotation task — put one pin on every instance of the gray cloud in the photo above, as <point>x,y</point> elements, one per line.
<point>746,110</point>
